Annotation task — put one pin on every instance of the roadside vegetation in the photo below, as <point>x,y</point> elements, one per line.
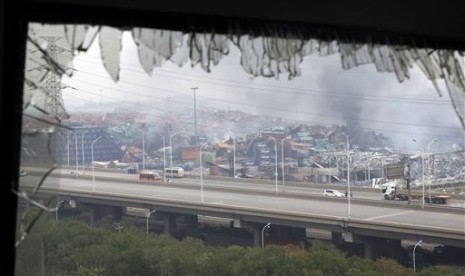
<point>70,247</point>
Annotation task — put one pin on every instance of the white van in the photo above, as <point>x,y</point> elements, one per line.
<point>174,172</point>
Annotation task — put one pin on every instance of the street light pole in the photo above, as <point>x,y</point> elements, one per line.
<point>275,162</point>
<point>331,167</point>
<point>422,175</point>
<point>67,135</point>
<point>171,154</point>
<point>348,174</point>
<point>201,170</point>
<point>429,182</point>
<point>82,148</point>
<point>423,179</point>
<point>147,220</point>
<point>195,117</point>
<point>423,170</point>
<point>143,148</point>
<point>164,157</point>
<point>263,233</point>
<point>76,149</point>
<point>56,208</point>
<point>92,153</point>
<point>282,159</point>
<point>417,244</point>
<point>234,156</point>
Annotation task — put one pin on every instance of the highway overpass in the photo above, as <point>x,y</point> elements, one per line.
<point>369,221</point>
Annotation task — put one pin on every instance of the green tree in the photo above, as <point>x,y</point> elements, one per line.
<point>390,267</point>
<point>327,259</point>
<point>75,248</point>
<point>443,271</point>
<point>360,267</point>
<point>221,261</point>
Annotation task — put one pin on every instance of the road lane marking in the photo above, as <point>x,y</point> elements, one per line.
<point>391,215</point>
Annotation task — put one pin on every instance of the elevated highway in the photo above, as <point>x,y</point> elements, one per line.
<point>253,205</point>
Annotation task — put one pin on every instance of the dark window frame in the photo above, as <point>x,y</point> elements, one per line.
<point>13,37</point>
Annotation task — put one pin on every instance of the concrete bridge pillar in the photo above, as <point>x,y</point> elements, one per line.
<point>97,212</point>
<point>369,244</point>
<point>336,238</point>
<point>169,223</point>
<point>394,249</point>
<point>191,225</point>
<point>92,212</point>
<point>255,227</point>
<point>276,234</point>
<point>257,235</point>
<point>376,247</point>
<point>114,212</point>
<point>280,234</point>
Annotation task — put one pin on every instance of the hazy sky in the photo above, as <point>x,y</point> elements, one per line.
<point>323,94</point>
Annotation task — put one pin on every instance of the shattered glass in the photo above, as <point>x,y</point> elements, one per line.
<point>50,50</point>
<point>110,48</point>
<point>269,55</point>
<point>207,48</point>
<point>50,53</point>
<point>157,46</point>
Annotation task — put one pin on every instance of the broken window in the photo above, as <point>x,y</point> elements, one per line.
<point>52,141</point>
<point>270,54</point>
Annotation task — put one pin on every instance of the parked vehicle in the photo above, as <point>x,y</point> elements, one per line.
<point>391,192</point>
<point>149,175</point>
<point>265,163</point>
<point>243,173</point>
<point>132,170</point>
<point>247,163</point>
<point>174,172</point>
<point>261,145</point>
<point>334,193</point>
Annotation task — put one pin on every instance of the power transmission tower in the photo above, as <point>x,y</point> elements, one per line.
<point>53,104</point>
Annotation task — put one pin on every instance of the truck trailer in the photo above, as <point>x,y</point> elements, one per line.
<point>391,192</point>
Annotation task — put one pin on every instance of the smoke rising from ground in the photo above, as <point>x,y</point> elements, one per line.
<point>361,98</point>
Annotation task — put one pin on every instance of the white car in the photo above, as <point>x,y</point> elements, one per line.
<point>335,193</point>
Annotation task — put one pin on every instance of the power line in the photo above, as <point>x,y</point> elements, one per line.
<point>280,89</point>
<point>319,114</point>
<point>293,90</point>
<point>381,130</point>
